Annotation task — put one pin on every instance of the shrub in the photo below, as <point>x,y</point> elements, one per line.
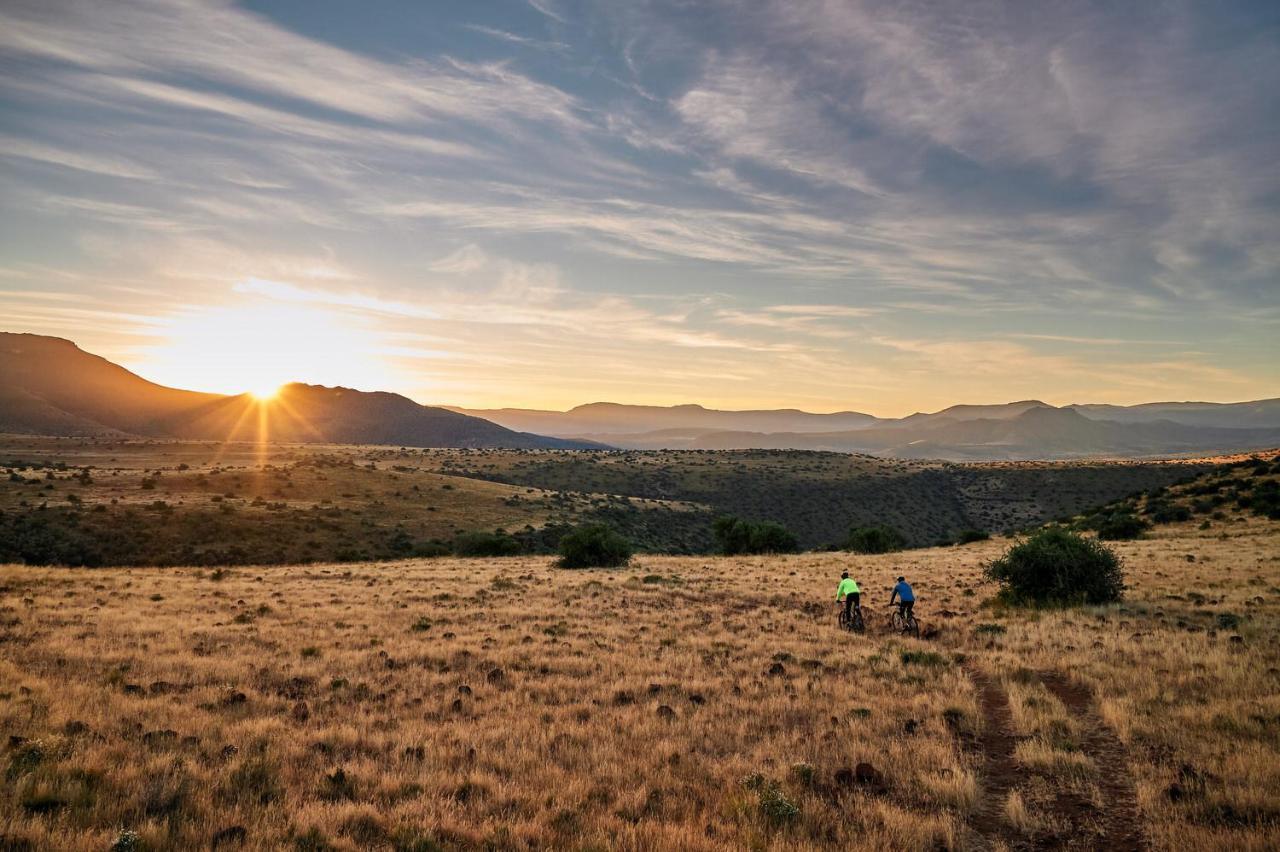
<point>922,658</point>
<point>1059,567</point>
<point>594,546</point>
<point>1121,526</point>
<point>1227,621</point>
<point>735,536</point>
<point>773,802</point>
<point>877,539</point>
<point>970,536</point>
<point>1167,513</point>
<point>485,544</point>
<point>431,550</point>
<point>1266,499</point>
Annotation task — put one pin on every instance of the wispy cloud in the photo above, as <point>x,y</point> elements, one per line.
<point>796,196</point>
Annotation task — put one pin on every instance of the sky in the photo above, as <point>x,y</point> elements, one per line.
<point>874,206</point>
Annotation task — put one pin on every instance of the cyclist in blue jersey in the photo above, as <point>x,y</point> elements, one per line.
<point>905,598</point>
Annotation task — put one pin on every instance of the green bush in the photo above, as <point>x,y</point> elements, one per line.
<point>485,544</point>
<point>877,539</point>
<point>1121,526</point>
<point>735,537</point>
<point>1058,567</point>
<point>970,536</point>
<point>1266,499</point>
<point>1168,513</point>
<point>594,546</point>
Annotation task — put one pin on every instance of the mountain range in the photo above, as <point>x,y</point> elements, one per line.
<point>50,386</point>
<point>1028,429</point>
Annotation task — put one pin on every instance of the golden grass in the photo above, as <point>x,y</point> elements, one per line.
<point>692,703</point>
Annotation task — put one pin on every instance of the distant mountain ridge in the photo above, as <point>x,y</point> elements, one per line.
<point>1023,430</point>
<point>50,386</point>
<point>606,418</point>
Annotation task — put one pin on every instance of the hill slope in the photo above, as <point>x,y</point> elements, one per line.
<point>49,386</point>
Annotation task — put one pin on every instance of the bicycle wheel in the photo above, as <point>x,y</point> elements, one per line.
<point>843,620</point>
<point>859,625</point>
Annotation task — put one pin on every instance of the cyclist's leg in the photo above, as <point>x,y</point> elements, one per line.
<point>848,606</point>
<point>909,606</point>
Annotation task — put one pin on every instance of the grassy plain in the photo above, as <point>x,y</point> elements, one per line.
<point>683,702</point>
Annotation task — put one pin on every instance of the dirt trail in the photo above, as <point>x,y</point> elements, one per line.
<point>1115,826</point>
<point>1119,820</point>
<point>1000,772</point>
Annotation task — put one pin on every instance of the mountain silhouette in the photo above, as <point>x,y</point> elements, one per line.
<point>50,386</point>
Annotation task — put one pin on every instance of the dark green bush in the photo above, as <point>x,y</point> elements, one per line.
<point>1121,526</point>
<point>1058,567</point>
<point>485,544</point>
<point>1168,513</point>
<point>970,536</point>
<point>1266,499</point>
<point>877,539</point>
<point>594,546</point>
<point>734,537</point>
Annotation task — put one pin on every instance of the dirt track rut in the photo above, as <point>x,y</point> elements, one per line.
<point>1113,826</point>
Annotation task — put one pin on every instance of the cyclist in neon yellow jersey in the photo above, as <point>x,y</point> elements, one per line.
<point>848,592</point>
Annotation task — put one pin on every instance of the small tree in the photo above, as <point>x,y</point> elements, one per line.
<point>1058,567</point>
<point>594,546</point>
<point>735,537</point>
<point>771,537</point>
<point>877,539</point>
<point>1121,526</point>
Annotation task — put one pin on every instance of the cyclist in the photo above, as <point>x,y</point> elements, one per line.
<point>904,596</point>
<point>848,592</point>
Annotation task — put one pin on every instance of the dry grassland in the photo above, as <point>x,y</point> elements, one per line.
<point>682,703</point>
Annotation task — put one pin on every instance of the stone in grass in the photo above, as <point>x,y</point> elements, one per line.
<point>863,775</point>
<point>232,698</point>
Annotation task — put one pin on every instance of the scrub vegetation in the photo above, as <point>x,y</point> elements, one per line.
<point>83,501</point>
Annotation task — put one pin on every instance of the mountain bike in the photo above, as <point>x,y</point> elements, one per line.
<point>904,624</point>
<point>852,621</point>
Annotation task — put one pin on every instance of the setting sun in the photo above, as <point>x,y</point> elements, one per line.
<point>258,344</point>
<point>264,392</point>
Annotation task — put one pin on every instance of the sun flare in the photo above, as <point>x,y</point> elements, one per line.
<point>259,345</point>
<point>265,392</point>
